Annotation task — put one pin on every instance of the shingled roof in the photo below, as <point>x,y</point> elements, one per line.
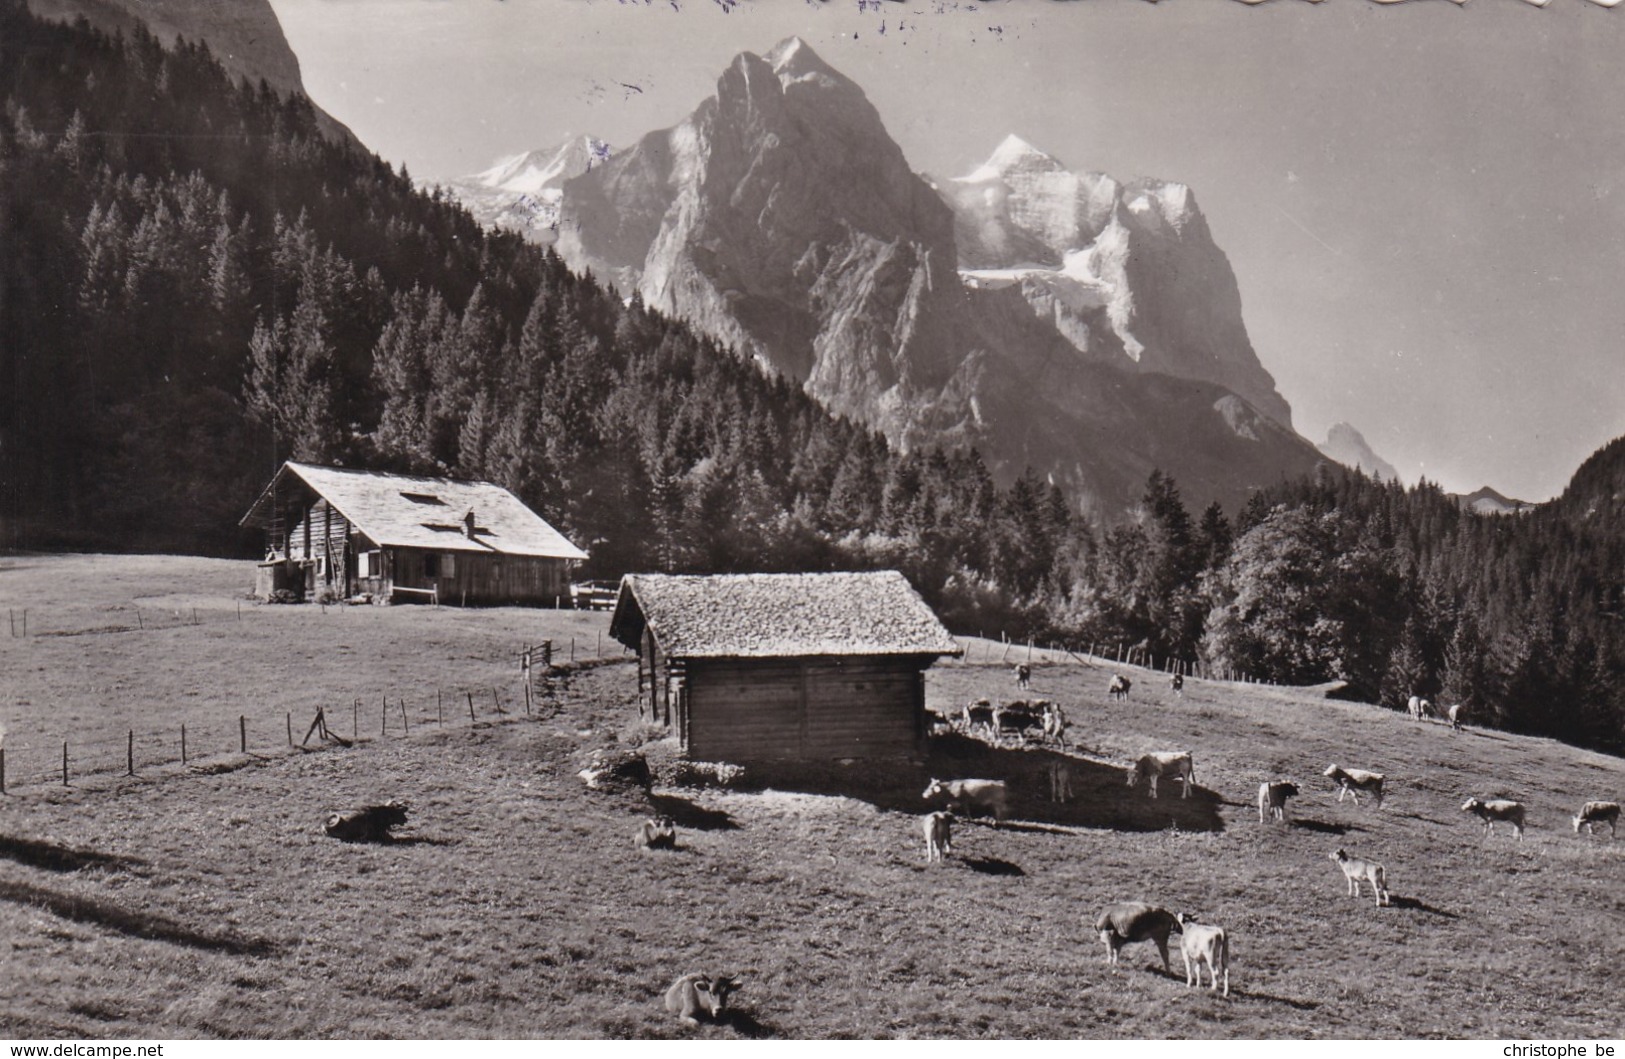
<point>779,615</point>
<point>402,511</point>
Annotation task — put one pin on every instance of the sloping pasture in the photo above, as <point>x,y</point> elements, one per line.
<point>209,903</point>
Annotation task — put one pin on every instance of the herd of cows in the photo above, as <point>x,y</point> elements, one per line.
<point>694,997</point>
<point>1122,923</point>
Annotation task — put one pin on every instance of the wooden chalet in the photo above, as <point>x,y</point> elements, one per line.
<point>338,533</point>
<point>761,667</point>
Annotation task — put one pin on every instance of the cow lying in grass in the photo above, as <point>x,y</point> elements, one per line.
<point>696,995</point>
<point>370,823</point>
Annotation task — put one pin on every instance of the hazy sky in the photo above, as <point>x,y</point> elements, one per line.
<point>1424,203</point>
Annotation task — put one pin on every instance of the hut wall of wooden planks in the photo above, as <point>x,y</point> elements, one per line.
<point>775,667</point>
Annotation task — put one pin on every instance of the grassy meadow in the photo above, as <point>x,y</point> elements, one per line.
<point>206,902</point>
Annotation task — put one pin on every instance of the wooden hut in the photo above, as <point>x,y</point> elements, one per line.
<point>761,667</point>
<point>338,533</point>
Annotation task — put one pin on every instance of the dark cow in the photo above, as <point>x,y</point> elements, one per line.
<point>370,823</point>
<point>1130,921</point>
<point>1024,676</point>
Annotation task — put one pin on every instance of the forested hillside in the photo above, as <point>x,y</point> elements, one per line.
<point>196,284</point>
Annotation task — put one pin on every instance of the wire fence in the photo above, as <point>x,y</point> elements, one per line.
<point>32,762</point>
<point>1005,651</point>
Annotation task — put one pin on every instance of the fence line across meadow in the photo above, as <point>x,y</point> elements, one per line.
<point>32,763</point>
<point>1005,651</point>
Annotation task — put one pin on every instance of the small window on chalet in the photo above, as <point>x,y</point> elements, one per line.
<point>431,564</point>
<point>424,498</point>
<point>369,564</point>
<point>448,565</point>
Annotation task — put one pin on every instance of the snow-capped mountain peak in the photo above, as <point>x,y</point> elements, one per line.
<point>521,192</point>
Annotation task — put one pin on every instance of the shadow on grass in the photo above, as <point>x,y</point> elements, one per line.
<point>685,813</point>
<point>49,856</point>
<point>747,1025</point>
<point>124,921</point>
<point>1099,794</point>
<point>991,866</point>
<point>1420,906</point>
<point>1270,998</point>
<point>1321,827</point>
<point>414,840</point>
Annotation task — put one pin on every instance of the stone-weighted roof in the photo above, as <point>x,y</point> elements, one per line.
<point>779,615</point>
<point>396,510</point>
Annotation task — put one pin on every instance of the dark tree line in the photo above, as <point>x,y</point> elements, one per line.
<point>196,284</point>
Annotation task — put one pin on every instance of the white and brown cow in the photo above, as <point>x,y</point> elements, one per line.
<point>1353,781</point>
<point>1594,813</point>
<point>1168,764</point>
<point>1272,799</point>
<point>1503,809</point>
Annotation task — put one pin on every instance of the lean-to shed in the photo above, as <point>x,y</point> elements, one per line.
<point>341,533</point>
<point>761,667</point>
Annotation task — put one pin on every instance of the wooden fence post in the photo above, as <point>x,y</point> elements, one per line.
<point>183,745</point>
<point>242,732</point>
<point>405,725</point>
<point>497,701</point>
<point>2,770</point>
<point>355,721</point>
<point>383,718</point>
<point>64,764</point>
<point>470,707</point>
<point>439,709</point>
<point>290,728</point>
<point>129,755</point>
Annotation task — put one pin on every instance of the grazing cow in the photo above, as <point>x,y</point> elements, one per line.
<point>991,795</point>
<point>1419,707</point>
<point>1496,809</point>
<point>938,835</point>
<point>1204,943</point>
<point>1130,921</point>
<point>1593,813</point>
<point>657,833</point>
<point>1172,764</point>
<point>1055,722</point>
<point>1356,870</point>
<point>1353,781</point>
<point>1457,714</point>
<point>1024,676</point>
<point>616,770</point>
<point>370,823</point>
<point>979,714</point>
<point>1177,682</point>
<point>1017,718</point>
<point>694,995</point>
<point>1272,799</point>
<point>1119,686</point>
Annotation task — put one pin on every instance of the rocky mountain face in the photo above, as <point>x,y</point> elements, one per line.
<point>1088,330</point>
<point>521,192</point>
<point>244,36</point>
<point>1348,446</point>
<point>1127,273</point>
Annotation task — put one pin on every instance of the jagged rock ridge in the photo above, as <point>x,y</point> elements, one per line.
<point>781,218</point>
